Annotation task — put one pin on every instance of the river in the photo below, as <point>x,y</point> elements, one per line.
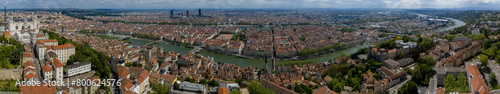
<point>243,62</point>
<point>457,22</point>
<point>259,63</point>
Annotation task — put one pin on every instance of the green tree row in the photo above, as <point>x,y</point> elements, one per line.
<point>10,53</point>
<point>490,49</point>
<point>423,71</point>
<point>308,52</point>
<point>147,36</point>
<point>409,88</point>
<point>238,37</point>
<point>85,31</point>
<point>256,88</point>
<point>347,29</point>
<point>344,75</point>
<point>298,63</point>
<point>304,89</point>
<point>459,84</point>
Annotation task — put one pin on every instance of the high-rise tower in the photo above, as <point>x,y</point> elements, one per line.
<point>187,13</point>
<point>199,12</point>
<point>171,13</point>
<point>5,14</point>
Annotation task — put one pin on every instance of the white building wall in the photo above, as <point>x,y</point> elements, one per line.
<point>40,51</point>
<point>59,73</point>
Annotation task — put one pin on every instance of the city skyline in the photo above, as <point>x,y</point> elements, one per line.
<point>253,4</point>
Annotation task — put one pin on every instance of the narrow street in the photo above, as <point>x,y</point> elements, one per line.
<point>495,68</point>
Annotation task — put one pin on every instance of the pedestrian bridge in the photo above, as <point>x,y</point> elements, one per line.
<point>151,42</point>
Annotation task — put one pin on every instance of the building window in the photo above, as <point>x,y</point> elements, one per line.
<point>17,27</point>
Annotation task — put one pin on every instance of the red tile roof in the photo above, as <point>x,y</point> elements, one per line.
<point>64,46</point>
<point>440,91</point>
<point>31,75</point>
<point>28,63</point>
<point>169,78</point>
<point>95,79</point>
<point>126,84</point>
<point>28,54</point>
<point>154,75</point>
<point>223,90</point>
<point>38,42</point>
<point>477,82</point>
<point>392,50</point>
<point>276,88</point>
<point>390,73</point>
<point>42,89</point>
<point>56,62</point>
<point>136,69</point>
<point>47,68</point>
<point>52,40</point>
<point>6,33</point>
<point>40,35</point>
<point>324,90</point>
<point>296,78</point>
<point>123,72</point>
<point>142,77</point>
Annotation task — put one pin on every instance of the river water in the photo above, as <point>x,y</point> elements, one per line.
<point>259,63</point>
<point>458,23</point>
<point>243,62</point>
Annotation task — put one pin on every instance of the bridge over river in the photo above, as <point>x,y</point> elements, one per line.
<point>124,38</point>
<point>259,63</point>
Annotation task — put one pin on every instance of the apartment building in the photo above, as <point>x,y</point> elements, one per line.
<point>165,79</point>
<point>39,36</point>
<point>138,85</point>
<point>47,72</point>
<point>142,82</point>
<point>78,68</point>
<point>395,76</point>
<point>92,89</point>
<point>41,47</point>
<point>476,80</point>
<point>58,67</point>
<point>63,51</point>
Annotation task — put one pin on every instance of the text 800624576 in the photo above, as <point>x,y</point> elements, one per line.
<point>96,82</point>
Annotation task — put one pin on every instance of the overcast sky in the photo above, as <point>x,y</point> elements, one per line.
<point>250,4</point>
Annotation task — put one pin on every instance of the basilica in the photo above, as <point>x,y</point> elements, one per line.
<point>22,29</point>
